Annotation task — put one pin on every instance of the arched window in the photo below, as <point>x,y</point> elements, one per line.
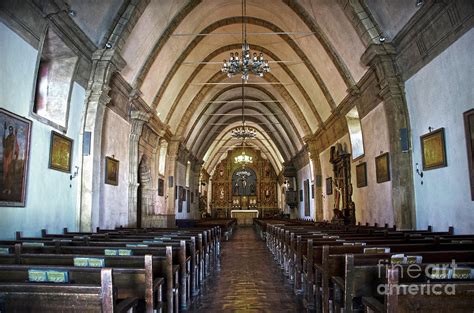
<point>188,174</point>
<point>162,159</point>
<point>56,67</point>
<point>355,133</point>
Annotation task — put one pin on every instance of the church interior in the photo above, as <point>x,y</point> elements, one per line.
<point>236,156</point>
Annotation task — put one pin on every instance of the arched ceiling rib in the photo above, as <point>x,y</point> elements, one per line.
<point>219,114</point>
<point>285,116</point>
<point>178,71</point>
<point>210,132</point>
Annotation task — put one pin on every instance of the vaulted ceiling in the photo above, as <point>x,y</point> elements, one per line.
<point>174,55</point>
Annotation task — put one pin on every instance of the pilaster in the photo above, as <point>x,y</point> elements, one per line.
<point>104,63</point>
<point>381,58</point>
<point>138,119</point>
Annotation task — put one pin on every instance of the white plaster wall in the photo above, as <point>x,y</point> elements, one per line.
<point>392,15</point>
<point>437,96</point>
<point>302,175</point>
<point>114,199</point>
<point>374,202</point>
<point>326,172</point>
<point>50,201</point>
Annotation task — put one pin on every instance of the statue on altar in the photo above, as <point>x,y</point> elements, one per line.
<point>344,207</point>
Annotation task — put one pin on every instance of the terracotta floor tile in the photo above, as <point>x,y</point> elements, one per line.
<point>247,280</point>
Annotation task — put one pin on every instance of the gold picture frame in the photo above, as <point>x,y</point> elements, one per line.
<point>361,175</point>
<point>382,168</point>
<point>112,167</point>
<point>60,152</point>
<point>433,150</point>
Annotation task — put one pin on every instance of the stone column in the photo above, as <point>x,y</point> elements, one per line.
<point>194,186</point>
<point>314,151</point>
<point>138,119</point>
<point>171,159</point>
<point>104,63</point>
<point>381,58</point>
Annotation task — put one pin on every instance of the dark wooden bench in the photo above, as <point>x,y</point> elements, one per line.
<point>92,291</point>
<point>418,300</point>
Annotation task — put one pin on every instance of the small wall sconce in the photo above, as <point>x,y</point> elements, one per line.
<point>419,172</point>
<point>430,129</point>
<point>74,175</point>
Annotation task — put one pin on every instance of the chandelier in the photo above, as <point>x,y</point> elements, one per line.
<point>244,133</point>
<point>246,64</point>
<point>243,159</point>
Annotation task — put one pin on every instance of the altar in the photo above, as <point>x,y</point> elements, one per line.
<point>244,217</point>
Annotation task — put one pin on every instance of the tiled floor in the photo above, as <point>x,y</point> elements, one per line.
<point>248,280</point>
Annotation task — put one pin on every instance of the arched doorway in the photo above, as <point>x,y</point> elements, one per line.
<point>244,188</point>
<point>143,191</point>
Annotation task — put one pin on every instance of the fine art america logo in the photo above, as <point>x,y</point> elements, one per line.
<point>417,279</point>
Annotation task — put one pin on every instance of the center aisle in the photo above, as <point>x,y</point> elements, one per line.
<point>248,280</point>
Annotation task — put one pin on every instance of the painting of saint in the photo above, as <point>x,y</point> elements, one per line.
<point>14,154</point>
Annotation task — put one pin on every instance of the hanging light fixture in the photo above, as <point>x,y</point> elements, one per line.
<point>243,133</point>
<point>243,159</point>
<point>246,64</point>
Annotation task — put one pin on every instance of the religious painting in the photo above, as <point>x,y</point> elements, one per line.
<point>382,168</point>
<point>182,193</point>
<point>469,127</point>
<point>290,197</point>
<point>111,171</point>
<point>244,182</point>
<point>433,150</point>
<point>361,175</point>
<point>188,201</point>
<point>60,153</point>
<point>329,186</point>
<point>306,198</point>
<point>161,187</point>
<point>14,157</point>
<point>180,199</point>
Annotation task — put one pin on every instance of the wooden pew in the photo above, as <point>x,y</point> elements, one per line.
<point>93,291</point>
<point>362,273</point>
<point>95,247</point>
<point>167,266</point>
<point>418,300</point>
<point>143,278</point>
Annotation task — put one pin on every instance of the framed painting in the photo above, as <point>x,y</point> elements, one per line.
<point>60,152</point>
<point>361,175</point>
<point>111,171</point>
<point>14,157</point>
<point>433,150</point>
<point>329,186</point>
<point>188,202</point>
<point>161,187</point>
<point>180,199</point>
<point>469,127</point>
<point>382,168</point>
